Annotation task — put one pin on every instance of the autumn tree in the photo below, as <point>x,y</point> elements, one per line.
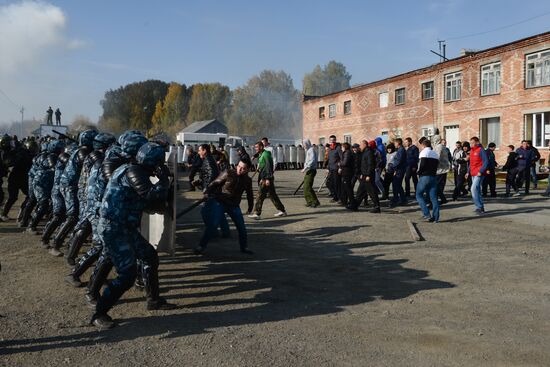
<point>331,78</point>
<point>268,104</point>
<point>209,101</point>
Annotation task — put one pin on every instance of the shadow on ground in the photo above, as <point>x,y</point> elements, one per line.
<point>294,275</point>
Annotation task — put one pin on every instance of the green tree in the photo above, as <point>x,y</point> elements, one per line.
<point>331,78</point>
<point>209,101</point>
<point>268,104</point>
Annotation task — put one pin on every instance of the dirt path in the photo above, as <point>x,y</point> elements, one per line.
<point>325,288</point>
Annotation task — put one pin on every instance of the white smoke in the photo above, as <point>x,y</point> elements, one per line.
<point>30,30</point>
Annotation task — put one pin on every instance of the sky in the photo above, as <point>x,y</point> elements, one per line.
<point>66,54</point>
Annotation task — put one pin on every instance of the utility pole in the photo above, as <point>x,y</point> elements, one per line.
<point>22,116</point>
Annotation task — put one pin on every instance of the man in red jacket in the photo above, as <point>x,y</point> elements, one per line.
<point>478,169</point>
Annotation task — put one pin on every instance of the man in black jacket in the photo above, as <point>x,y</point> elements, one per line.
<point>334,157</point>
<point>193,163</point>
<point>427,181</point>
<point>367,177</point>
<point>346,171</point>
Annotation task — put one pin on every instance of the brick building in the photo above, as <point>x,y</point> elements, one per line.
<point>501,94</point>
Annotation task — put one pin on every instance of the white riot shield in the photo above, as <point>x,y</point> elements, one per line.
<point>160,229</point>
<point>280,155</point>
<point>293,154</point>
<point>287,153</point>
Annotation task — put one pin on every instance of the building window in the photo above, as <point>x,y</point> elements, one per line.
<point>538,69</point>
<point>400,96</point>
<point>453,85</point>
<point>428,90</point>
<point>322,113</point>
<point>383,99</point>
<point>347,108</point>
<point>322,141</point>
<point>426,132</point>
<point>537,129</point>
<point>347,139</point>
<point>490,79</point>
<point>331,110</point>
<point>489,130</point>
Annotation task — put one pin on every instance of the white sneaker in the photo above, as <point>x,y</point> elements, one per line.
<point>254,216</point>
<point>4,218</point>
<point>280,214</point>
<point>517,193</point>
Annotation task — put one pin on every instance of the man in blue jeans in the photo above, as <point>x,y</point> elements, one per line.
<point>427,181</point>
<point>224,195</point>
<point>399,165</point>
<point>478,170</point>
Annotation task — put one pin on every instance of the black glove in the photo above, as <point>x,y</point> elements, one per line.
<point>162,173</point>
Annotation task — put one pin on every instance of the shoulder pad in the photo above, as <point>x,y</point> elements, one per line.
<point>51,160</point>
<point>63,157</point>
<point>110,165</point>
<point>82,153</point>
<point>138,178</point>
<point>95,156</point>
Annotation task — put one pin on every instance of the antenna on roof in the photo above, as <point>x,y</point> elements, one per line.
<point>442,51</point>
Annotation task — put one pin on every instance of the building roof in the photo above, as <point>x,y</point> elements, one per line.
<point>206,126</point>
<point>532,40</point>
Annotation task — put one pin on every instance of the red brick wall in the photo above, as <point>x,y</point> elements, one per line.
<point>367,119</point>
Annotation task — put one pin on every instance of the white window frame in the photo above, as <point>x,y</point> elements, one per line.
<point>485,139</point>
<point>332,110</point>
<point>346,136</point>
<point>348,112</point>
<point>432,89</point>
<point>324,112</point>
<point>384,98</point>
<point>323,139</point>
<point>490,77</point>
<point>400,90</point>
<point>545,133</point>
<point>537,69</point>
<point>453,86</point>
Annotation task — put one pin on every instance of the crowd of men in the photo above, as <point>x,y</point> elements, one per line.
<point>96,189</point>
<point>385,172</point>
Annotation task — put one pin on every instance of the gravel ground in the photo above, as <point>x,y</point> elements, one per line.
<point>325,287</point>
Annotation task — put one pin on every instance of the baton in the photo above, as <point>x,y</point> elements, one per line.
<point>61,135</point>
<point>322,184</point>
<point>299,187</point>
<point>190,207</point>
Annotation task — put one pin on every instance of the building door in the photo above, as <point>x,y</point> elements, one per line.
<point>452,134</point>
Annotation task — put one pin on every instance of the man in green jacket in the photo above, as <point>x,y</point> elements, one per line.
<point>266,184</point>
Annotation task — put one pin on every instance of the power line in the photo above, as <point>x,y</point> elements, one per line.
<point>499,28</point>
<point>8,98</point>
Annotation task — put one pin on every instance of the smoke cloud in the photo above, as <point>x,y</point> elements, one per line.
<point>29,30</point>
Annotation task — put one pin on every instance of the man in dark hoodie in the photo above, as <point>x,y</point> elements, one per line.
<point>382,164</point>
<point>412,166</point>
<point>366,178</point>
<point>511,170</point>
<point>490,179</point>
<point>399,166</point>
<point>334,158</point>
<point>525,157</point>
<point>346,171</point>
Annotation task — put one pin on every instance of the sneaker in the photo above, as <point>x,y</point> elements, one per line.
<point>280,214</point>
<point>103,322</point>
<point>73,280</point>
<point>480,211</point>
<point>254,216</point>
<point>4,218</point>
<point>55,252</point>
<point>517,193</point>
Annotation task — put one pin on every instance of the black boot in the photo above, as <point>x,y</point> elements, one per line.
<point>63,232</point>
<point>26,216</point>
<point>98,278</point>
<point>76,242</point>
<point>87,260</point>
<point>50,228</point>
<point>151,279</point>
